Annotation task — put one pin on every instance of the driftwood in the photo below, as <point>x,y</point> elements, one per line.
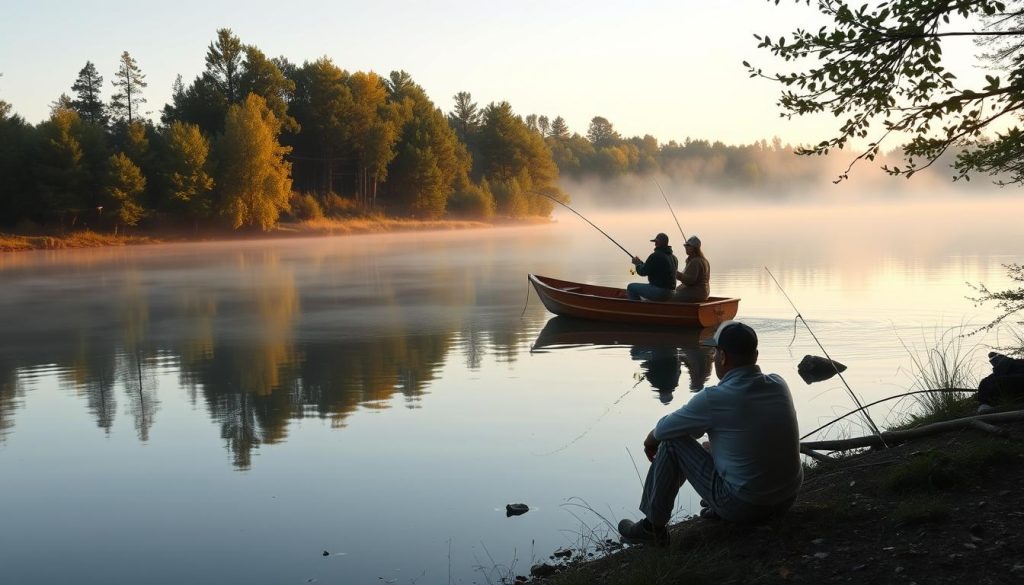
<point>896,437</point>
<point>814,454</point>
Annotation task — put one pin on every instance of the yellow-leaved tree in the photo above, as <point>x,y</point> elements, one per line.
<point>254,179</point>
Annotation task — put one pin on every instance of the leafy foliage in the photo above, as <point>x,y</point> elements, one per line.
<point>255,180</point>
<point>124,185</point>
<point>880,70</point>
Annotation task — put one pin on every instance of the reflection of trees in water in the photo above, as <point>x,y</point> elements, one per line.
<point>139,382</point>
<point>92,371</point>
<point>232,338</point>
<point>10,394</point>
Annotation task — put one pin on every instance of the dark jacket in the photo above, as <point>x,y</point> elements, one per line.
<point>660,268</point>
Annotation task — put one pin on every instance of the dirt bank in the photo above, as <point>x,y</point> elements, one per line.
<point>943,509</point>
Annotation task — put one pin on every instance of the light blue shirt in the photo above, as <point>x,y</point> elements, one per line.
<point>751,423</point>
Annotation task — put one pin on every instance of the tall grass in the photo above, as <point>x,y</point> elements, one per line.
<point>947,361</point>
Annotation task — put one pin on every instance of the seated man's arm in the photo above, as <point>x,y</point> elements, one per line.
<point>692,420</point>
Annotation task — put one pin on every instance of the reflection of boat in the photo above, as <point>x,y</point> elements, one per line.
<point>661,351</point>
<point>570,331</point>
<point>604,303</point>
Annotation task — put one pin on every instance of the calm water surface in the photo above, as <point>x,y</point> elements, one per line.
<point>227,412</point>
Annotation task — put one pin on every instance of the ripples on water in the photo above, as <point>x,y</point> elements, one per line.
<point>226,412</point>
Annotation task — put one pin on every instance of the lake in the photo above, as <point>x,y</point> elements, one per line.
<point>229,412</point>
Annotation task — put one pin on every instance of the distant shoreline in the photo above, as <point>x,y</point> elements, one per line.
<point>14,242</point>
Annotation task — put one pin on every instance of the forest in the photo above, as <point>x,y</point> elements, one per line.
<point>255,140</point>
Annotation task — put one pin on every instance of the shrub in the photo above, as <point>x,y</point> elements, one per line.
<point>305,206</point>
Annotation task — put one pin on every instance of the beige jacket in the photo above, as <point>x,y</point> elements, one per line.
<point>696,277</point>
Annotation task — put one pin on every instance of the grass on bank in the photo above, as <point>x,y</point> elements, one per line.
<point>78,239</point>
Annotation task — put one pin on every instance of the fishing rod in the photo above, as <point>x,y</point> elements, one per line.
<point>860,407</point>
<point>670,208</point>
<point>631,256</point>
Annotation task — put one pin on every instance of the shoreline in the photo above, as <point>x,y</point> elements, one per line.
<point>941,509</point>
<point>15,242</point>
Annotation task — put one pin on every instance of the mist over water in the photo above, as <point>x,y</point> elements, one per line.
<point>226,412</point>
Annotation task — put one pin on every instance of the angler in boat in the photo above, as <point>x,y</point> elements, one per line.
<point>696,275</point>
<point>660,268</point>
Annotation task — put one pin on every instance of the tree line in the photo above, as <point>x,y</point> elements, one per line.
<point>253,139</point>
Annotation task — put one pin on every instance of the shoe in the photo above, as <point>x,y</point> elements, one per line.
<point>985,408</point>
<point>709,514</point>
<point>643,532</point>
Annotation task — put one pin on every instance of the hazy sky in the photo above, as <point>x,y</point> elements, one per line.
<point>667,68</point>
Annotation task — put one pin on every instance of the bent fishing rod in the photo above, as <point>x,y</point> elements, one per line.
<point>665,197</point>
<point>631,256</point>
<point>860,407</point>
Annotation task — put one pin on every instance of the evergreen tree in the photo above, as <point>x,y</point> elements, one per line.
<point>430,157</point>
<point>516,163</point>
<point>189,185</point>
<point>87,87</point>
<point>465,118</point>
<point>224,65</point>
<point>559,129</point>
<point>61,175</point>
<point>15,145</point>
<point>265,78</point>
<point>322,105</point>
<point>124,105</point>
<point>254,178</point>
<point>124,187</point>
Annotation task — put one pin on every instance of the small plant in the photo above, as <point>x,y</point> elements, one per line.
<point>946,363</point>
<point>920,511</point>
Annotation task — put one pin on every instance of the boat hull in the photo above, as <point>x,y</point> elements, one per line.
<point>602,303</point>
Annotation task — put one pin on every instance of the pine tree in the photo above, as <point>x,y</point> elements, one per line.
<point>188,183</point>
<point>224,65</point>
<point>124,186</point>
<point>559,129</point>
<point>130,81</point>
<point>87,87</point>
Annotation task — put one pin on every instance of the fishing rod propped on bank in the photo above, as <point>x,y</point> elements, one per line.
<point>860,407</point>
<point>628,253</point>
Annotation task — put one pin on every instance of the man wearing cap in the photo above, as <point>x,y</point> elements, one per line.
<point>695,276</point>
<point>660,269</point>
<point>752,470</point>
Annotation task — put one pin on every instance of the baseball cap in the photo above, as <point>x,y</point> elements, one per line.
<point>693,241</point>
<point>661,239</point>
<point>733,337</point>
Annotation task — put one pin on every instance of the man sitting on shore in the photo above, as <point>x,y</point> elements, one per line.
<point>751,471</point>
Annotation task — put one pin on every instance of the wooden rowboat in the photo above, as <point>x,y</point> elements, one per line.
<point>605,303</point>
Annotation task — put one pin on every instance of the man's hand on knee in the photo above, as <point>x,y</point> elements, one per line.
<point>651,446</point>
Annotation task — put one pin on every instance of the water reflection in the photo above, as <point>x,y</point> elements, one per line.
<point>662,352</point>
<point>249,342</point>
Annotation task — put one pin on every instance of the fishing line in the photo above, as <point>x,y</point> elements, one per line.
<point>527,301</point>
<point>860,407</point>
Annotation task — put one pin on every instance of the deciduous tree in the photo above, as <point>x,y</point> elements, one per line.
<point>879,69</point>
<point>254,178</point>
<point>601,133</point>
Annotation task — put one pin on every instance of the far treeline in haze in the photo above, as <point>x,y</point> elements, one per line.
<point>253,140</point>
